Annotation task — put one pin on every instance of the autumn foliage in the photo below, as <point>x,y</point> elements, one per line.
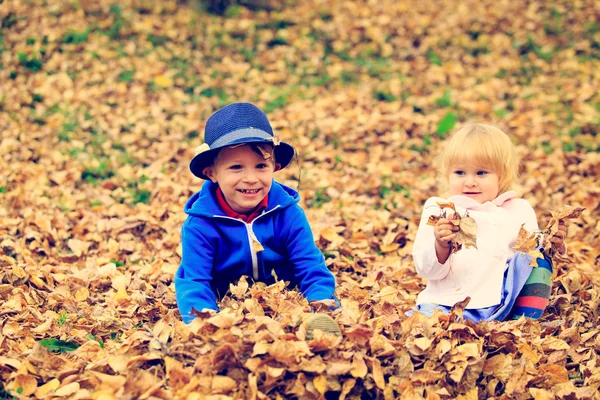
<point>102,105</point>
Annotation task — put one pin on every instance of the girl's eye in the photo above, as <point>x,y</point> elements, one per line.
<point>459,172</point>
<point>235,167</point>
<point>481,173</point>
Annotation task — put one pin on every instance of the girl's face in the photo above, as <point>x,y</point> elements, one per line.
<point>474,181</point>
<point>244,176</point>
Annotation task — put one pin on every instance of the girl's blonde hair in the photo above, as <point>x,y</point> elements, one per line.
<point>486,146</point>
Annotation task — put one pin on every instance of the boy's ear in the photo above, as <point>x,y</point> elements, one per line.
<point>210,173</point>
<point>277,167</point>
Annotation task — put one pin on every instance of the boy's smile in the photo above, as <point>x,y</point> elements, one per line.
<point>243,175</point>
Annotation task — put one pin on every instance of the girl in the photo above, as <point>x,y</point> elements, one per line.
<point>480,166</point>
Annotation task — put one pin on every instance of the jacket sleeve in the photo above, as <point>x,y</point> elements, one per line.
<point>194,276</point>
<point>314,278</point>
<point>424,255</point>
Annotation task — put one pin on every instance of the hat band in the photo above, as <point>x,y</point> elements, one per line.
<point>249,133</point>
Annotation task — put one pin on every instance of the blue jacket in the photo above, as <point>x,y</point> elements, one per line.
<point>217,250</point>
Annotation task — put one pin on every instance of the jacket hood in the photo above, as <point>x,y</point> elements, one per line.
<point>204,203</point>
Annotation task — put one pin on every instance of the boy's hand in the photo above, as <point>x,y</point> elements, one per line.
<point>322,305</point>
<point>558,240</point>
<point>205,313</point>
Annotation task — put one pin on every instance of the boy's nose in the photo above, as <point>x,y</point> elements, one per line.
<point>250,177</point>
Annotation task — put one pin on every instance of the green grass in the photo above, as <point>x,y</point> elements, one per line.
<point>444,101</point>
<point>59,346</point>
<point>75,37</point>
<point>320,198</point>
<point>434,58</point>
<point>92,337</point>
<point>446,124</point>
<point>31,64</point>
<point>63,318</point>
<point>100,172</point>
<point>126,76</point>
<point>382,95</point>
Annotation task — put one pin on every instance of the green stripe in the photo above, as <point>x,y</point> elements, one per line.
<point>539,275</point>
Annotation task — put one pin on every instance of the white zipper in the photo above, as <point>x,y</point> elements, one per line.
<point>251,237</point>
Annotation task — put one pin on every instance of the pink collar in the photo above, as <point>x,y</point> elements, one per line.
<point>471,204</point>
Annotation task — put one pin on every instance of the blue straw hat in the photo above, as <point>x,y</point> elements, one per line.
<point>237,123</point>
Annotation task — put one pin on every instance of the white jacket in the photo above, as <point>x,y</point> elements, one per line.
<point>477,273</point>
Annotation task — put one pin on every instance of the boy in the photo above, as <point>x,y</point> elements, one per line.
<point>243,222</point>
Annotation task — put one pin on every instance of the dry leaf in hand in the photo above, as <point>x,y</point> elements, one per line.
<point>466,235</point>
<point>433,219</point>
<point>526,241</point>
<point>566,212</point>
<point>447,204</point>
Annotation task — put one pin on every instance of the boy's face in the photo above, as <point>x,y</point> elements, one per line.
<point>244,176</point>
<point>474,181</point>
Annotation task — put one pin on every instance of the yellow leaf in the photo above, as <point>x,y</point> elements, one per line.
<point>222,384</point>
<point>240,289</point>
<point>23,384</point>
<point>67,390</point>
<point>19,272</point>
<point>535,254</point>
<point>525,241</point>
<point>163,81</point>
<point>78,247</point>
<point>82,294</point>
<point>257,246</point>
<point>320,383</point>
<point>46,389</point>
<point>388,248</point>
<point>359,367</point>
<point>378,374</point>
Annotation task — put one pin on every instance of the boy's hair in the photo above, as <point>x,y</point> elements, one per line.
<point>265,150</point>
<point>484,145</point>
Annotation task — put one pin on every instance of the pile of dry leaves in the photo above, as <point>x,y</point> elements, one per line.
<point>102,104</point>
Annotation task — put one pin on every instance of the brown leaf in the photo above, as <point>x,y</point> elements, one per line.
<point>446,204</point>
<point>467,233</point>
<point>433,219</point>
<point>526,241</point>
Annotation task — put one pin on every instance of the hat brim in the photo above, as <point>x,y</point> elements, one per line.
<point>284,153</point>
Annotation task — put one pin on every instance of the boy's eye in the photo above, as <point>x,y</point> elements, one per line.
<point>235,167</point>
<point>261,166</point>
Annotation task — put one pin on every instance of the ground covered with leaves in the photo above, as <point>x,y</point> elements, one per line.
<point>102,105</point>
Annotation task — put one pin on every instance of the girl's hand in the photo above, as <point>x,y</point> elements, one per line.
<point>558,240</point>
<point>444,232</point>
